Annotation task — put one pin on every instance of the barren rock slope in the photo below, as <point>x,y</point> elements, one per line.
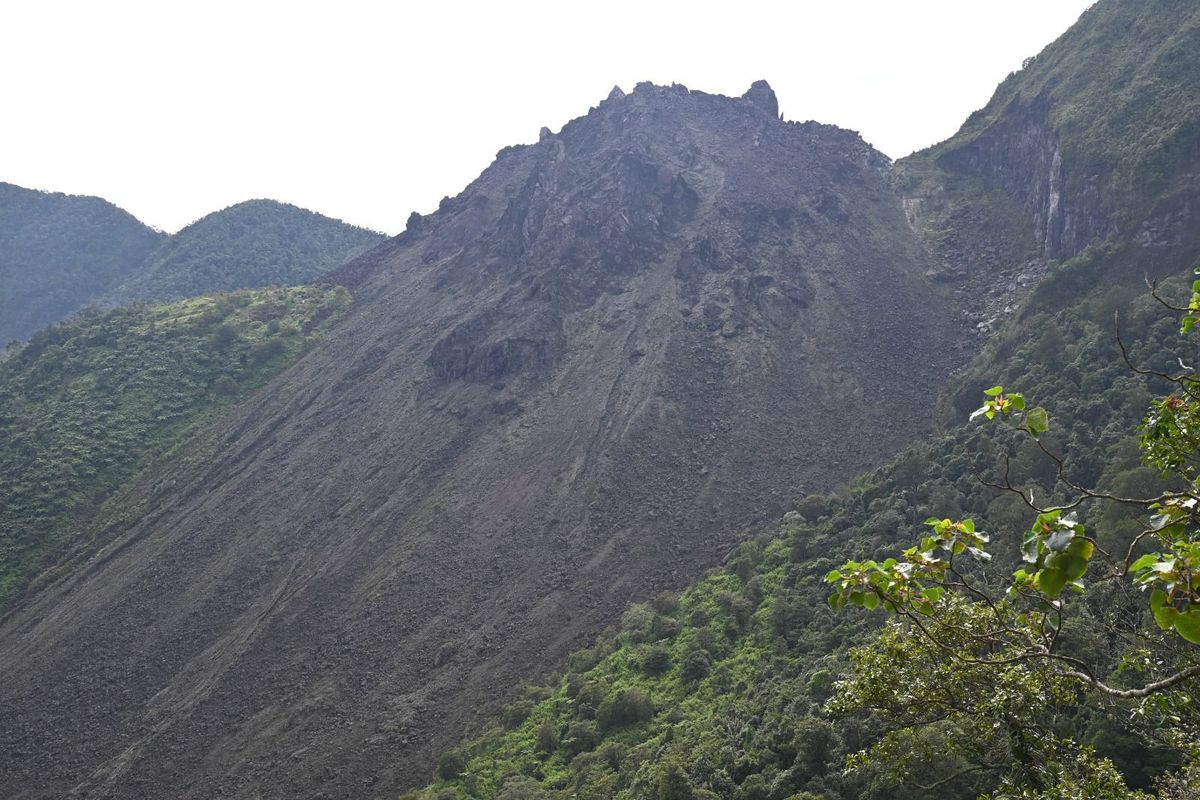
<point>573,385</point>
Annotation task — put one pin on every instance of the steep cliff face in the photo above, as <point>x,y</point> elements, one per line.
<point>569,387</point>
<point>1098,136</point>
<point>1023,154</point>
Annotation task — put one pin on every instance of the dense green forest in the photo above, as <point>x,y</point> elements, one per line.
<point>58,252</point>
<point>88,404</point>
<point>728,690</point>
<point>248,245</point>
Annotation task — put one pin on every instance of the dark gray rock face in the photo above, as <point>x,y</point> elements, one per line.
<point>762,95</point>
<point>1022,153</point>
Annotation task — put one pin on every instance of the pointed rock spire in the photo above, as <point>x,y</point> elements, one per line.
<point>762,95</point>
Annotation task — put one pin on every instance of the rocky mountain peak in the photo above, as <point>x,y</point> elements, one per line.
<point>566,389</point>
<point>762,95</point>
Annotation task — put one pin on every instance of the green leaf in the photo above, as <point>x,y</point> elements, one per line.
<point>1029,548</point>
<point>871,601</point>
<point>1051,581</point>
<point>1082,548</point>
<point>1072,566</point>
<point>833,576</point>
<point>1060,540</point>
<point>1018,401</point>
<point>1143,562</point>
<point>1038,420</point>
<point>1187,625</point>
<point>994,391</point>
<point>1165,617</point>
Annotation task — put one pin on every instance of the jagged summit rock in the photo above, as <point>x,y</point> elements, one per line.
<point>761,94</point>
<point>616,94</point>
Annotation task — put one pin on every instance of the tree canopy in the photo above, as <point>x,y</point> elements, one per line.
<point>978,671</point>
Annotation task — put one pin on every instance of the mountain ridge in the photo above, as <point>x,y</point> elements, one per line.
<point>247,245</point>
<point>60,253</point>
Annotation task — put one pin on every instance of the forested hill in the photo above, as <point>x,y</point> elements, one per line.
<point>59,252</point>
<point>251,244</point>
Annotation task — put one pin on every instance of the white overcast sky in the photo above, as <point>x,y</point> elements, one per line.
<point>369,110</point>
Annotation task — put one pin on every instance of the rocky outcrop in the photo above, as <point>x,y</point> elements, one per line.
<point>1023,154</point>
<point>762,95</point>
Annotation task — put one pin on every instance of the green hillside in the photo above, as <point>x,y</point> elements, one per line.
<point>86,405</point>
<point>59,252</point>
<point>248,245</point>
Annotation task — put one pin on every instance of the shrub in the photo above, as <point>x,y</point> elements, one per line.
<point>613,754</point>
<point>581,737</point>
<point>753,788</point>
<point>521,787</point>
<point>626,707</point>
<point>696,666</point>
<point>666,603</point>
<point>672,783</point>
<point>547,737</point>
<point>224,336</point>
<point>515,713</point>
<point>584,660</point>
<point>637,621</point>
<point>590,698</point>
<point>451,765</point>
<point>665,627</point>
<point>656,661</point>
<point>264,351</point>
